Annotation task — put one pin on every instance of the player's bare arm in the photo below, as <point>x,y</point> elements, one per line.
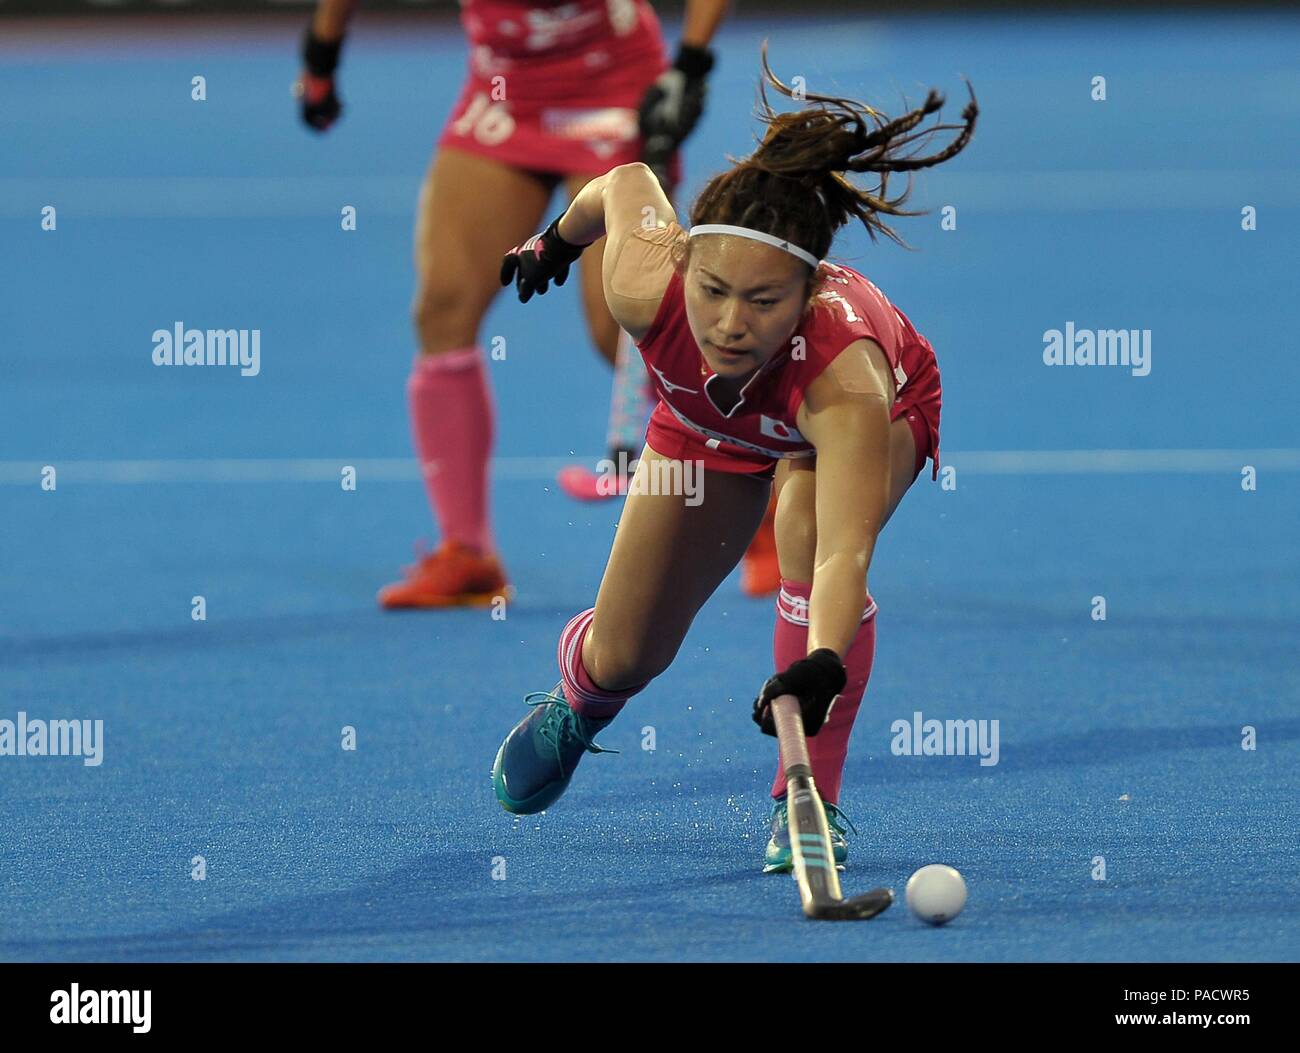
<point>321,48</point>
<point>701,20</point>
<point>625,204</point>
<point>845,414</point>
<point>331,18</point>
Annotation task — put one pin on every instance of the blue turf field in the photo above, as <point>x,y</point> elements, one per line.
<point>1120,739</point>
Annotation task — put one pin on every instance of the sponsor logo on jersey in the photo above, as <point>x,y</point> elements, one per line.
<point>549,26</point>
<point>611,122</point>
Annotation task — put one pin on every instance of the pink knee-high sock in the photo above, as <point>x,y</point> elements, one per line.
<point>584,696</point>
<point>830,746</point>
<point>452,421</point>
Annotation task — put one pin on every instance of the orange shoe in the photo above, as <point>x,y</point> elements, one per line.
<point>759,573</point>
<point>453,576</point>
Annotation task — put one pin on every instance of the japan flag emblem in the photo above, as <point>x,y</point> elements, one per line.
<point>775,429</point>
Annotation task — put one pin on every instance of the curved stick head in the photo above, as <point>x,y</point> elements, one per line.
<point>859,908</point>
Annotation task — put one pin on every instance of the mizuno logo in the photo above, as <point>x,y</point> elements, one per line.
<point>669,386</point>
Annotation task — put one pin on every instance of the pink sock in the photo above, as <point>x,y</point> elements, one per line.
<point>452,420</point>
<point>830,746</point>
<point>584,696</point>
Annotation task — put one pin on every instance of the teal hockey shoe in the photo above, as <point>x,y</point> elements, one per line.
<point>538,757</point>
<point>778,859</point>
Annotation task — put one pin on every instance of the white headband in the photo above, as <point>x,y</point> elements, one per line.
<point>757,235</point>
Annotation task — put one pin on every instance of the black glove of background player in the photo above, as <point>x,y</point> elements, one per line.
<point>315,88</point>
<point>671,107</point>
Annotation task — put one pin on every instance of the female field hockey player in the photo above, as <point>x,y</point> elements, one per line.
<point>771,365</point>
<point>555,93</point>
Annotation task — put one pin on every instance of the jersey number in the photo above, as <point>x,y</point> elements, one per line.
<point>850,314</point>
<point>490,122</point>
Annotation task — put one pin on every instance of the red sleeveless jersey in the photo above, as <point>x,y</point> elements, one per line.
<point>760,427</point>
<point>555,87</point>
<point>536,29</point>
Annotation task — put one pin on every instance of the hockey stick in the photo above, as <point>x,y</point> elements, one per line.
<point>814,866</point>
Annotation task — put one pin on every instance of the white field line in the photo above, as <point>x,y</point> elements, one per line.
<point>543,469</point>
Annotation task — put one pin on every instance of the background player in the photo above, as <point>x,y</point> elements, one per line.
<point>763,354</point>
<point>555,93</point>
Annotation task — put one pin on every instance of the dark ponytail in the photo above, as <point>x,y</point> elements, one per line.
<point>795,184</point>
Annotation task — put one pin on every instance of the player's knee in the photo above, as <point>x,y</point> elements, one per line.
<point>443,319</point>
<point>796,543</point>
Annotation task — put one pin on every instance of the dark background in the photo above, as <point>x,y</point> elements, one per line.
<point>670,7</point>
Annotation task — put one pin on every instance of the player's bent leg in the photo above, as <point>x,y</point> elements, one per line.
<point>670,553</point>
<point>674,545</point>
<point>797,544</point>
<point>469,208</point>
<point>796,513</point>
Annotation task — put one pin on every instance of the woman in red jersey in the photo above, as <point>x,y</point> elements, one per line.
<point>771,365</point>
<point>556,92</point>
